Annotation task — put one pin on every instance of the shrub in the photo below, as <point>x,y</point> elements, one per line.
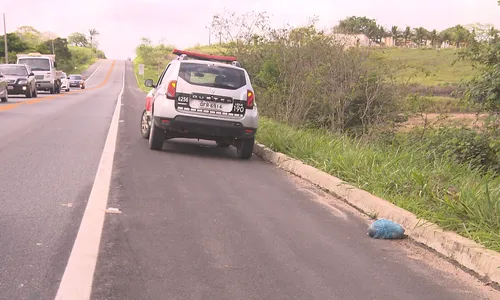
<point>303,76</point>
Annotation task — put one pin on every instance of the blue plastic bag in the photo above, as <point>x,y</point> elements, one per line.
<point>385,229</point>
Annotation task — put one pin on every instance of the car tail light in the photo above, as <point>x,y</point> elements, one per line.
<point>250,99</point>
<point>171,89</point>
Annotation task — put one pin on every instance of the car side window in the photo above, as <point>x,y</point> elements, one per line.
<point>162,75</point>
<point>170,71</point>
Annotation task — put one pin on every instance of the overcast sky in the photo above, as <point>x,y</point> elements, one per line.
<point>122,23</point>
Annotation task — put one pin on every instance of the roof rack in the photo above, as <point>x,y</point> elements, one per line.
<point>184,55</point>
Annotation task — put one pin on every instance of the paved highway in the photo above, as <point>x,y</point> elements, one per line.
<point>49,152</point>
<point>195,222</point>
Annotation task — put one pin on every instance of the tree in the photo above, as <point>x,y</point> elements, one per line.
<point>461,35</point>
<point>15,45</point>
<point>396,34</point>
<point>458,35</point>
<point>420,36</point>
<point>231,28</point>
<point>434,37</point>
<point>78,39</point>
<point>360,25</point>
<point>93,33</point>
<point>493,34</point>
<point>61,50</point>
<point>407,34</point>
<point>445,36</point>
<point>484,88</point>
<point>29,35</point>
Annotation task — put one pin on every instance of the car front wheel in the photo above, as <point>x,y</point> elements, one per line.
<point>29,93</point>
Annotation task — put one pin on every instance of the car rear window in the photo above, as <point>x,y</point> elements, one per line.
<point>75,77</point>
<point>212,75</point>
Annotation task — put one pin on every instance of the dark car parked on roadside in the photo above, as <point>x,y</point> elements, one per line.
<point>20,79</point>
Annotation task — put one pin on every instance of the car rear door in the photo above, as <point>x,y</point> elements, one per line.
<point>212,89</point>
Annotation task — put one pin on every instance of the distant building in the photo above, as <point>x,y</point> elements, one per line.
<point>352,40</point>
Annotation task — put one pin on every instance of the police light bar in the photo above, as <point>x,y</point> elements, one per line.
<point>202,56</point>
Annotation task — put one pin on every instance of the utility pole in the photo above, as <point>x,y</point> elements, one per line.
<point>53,50</point>
<point>209,34</point>
<point>5,40</point>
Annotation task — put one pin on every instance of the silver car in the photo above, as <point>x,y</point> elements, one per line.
<point>4,97</point>
<point>205,97</point>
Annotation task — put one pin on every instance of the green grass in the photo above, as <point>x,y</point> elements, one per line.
<point>149,73</point>
<point>438,104</point>
<point>448,105</point>
<point>212,49</point>
<point>80,68</point>
<point>82,59</point>
<point>429,67</point>
<point>439,190</point>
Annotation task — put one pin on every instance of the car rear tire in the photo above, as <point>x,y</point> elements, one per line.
<point>244,148</point>
<point>223,144</point>
<point>145,126</point>
<point>67,90</point>
<point>156,137</point>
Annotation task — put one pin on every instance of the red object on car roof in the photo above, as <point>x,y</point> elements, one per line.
<point>202,56</point>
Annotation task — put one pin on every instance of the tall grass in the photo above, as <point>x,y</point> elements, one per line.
<point>457,197</point>
<point>428,67</point>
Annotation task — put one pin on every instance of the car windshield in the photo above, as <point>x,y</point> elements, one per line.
<point>212,75</point>
<point>36,64</point>
<point>13,70</point>
<point>75,77</point>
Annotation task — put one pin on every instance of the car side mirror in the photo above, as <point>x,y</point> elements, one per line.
<point>149,83</point>
<point>55,65</point>
<point>32,74</point>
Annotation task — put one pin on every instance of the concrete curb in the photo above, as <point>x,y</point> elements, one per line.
<point>466,252</point>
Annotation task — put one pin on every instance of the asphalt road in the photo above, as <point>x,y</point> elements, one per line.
<point>196,222</point>
<point>49,152</point>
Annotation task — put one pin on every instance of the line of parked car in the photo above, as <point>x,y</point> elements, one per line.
<point>19,79</point>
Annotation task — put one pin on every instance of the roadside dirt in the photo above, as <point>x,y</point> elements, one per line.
<point>447,119</point>
<point>425,259</point>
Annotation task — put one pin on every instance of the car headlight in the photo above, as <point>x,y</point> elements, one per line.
<point>23,81</point>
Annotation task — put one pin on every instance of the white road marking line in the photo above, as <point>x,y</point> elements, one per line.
<point>98,67</point>
<point>76,283</point>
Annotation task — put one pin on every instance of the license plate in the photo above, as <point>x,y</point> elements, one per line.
<point>10,87</point>
<point>210,105</point>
